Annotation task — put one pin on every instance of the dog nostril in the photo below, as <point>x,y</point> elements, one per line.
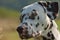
<point>22,29</point>
<point>25,28</point>
<point>19,29</point>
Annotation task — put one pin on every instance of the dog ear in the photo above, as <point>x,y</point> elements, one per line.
<point>55,7</point>
<point>52,6</point>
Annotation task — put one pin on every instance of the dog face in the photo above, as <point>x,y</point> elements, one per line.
<point>34,19</point>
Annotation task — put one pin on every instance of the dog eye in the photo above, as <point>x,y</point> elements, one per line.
<point>25,23</point>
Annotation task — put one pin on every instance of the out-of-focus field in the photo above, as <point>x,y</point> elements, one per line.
<point>9,20</point>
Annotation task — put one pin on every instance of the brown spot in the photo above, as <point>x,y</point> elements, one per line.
<point>34,12</point>
<point>21,17</point>
<point>37,24</point>
<point>42,24</point>
<point>52,36</point>
<point>46,27</point>
<point>32,16</point>
<point>48,34</point>
<point>40,3</point>
<point>44,38</point>
<point>38,17</point>
<point>51,25</point>
<point>31,24</point>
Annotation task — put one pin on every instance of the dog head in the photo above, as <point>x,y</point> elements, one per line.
<point>34,18</point>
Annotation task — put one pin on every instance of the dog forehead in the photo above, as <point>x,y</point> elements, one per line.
<point>39,19</point>
<point>34,6</point>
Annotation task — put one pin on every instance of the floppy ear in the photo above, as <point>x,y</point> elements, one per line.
<point>54,6</point>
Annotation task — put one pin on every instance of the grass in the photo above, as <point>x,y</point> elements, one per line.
<point>10,36</point>
<point>9,20</point>
<point>58,23</point>
<point>8,13</point>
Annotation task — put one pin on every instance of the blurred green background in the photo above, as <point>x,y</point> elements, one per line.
<point>9,17</point>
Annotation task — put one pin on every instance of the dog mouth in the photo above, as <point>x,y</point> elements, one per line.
<point>25,36</point>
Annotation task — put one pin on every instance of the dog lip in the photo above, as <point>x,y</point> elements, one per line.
<point>26,36</point>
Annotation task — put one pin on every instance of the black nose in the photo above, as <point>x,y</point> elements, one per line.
<point>19,29</point>
<point>22,29</point>
<point>23,32</point>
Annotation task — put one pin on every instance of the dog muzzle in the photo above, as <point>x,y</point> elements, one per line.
<point>26,32</point>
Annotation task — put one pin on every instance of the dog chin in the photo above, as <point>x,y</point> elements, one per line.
<point>25,36</point>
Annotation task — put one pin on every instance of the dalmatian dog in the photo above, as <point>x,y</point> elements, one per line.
<point>37,21</point>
